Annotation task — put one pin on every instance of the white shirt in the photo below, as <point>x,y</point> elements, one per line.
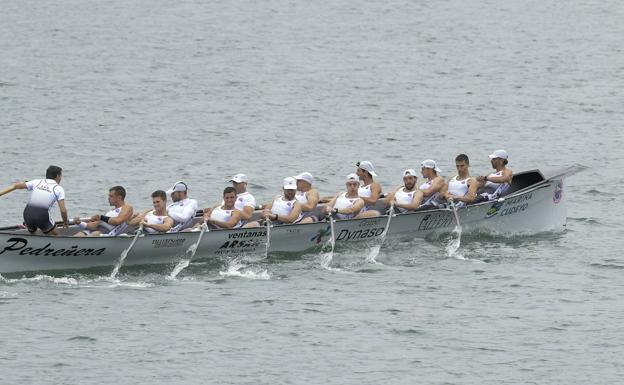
<point>244,199</point>
<point>44,193</point>
<point>154,219</point>
<point>182,212</point>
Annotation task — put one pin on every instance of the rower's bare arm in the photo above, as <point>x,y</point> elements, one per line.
<point>138,218</point>
<point>247,213</point>
<point>355,209</point>
<point>505,178</point>
<point>436,186</point>
<point>444,190</point>
<point>471,195</point>
<point>234,219</point>
<point>63,210</point>
<point>416,201</point>
<point>313,199</point>
<point>389,199</point>
<point>161,228</point>
<point>14,186</point>
<point>124,215</point>
<point>330,204</point>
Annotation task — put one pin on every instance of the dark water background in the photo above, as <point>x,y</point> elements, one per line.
<point>144,93</point>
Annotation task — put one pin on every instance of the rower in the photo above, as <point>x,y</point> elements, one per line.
<point>307,196</point>
<point>461,188</point>
<point>245,201</point>
<point>285,209</point>
<point>496,184</point>
<point>225,215</point>
<point>156,220</point>
<point>431,188</point>
<point>346,204</point>
<point>369,191</point>
<point>44,193</point>
<point>111,224</point>
<point>183,209</point>
<point>407,197</point>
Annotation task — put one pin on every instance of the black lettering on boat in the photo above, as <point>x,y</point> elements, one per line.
<point>160,243</point>
<point>18,244</point>
<point>435,221</point>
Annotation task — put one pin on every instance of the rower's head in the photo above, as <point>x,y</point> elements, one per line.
<point>462,163</point>
<point>116,196</point>
<point>429,169</point>
<point>365,170</point>
<point>159,200</point>
<point>290,188</point>
<point>352,183</point>
<point>54,172</point>
<point>229,197</point>
<point>239,182</point>
<point>304,181</point>
<point>178,191</point>
<point>409,178</point>
<point>499,159</point>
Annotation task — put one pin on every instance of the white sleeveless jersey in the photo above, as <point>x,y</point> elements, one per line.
<point>404,197</point>
<point>365,192</point>
<point>431,199</point>
<point>111,230</point>
<point>491,187</point>
<point>302,197</point>
<point>284,208</point>
<point>458,187</point>
<point>44,193</point>
<point>244,199</point>
<point>220,214</point>
<point>343,202</point>
<point>154,219</point>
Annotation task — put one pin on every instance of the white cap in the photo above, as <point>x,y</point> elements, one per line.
<point>289,183</point>
<point>367,166</point>
<point>239,178</point>
<point>177,186</point>
<point>499,154</point>
<point>352,178</point>
<point>305,176</point>
<point>429,163</point>
<point>411,172</point>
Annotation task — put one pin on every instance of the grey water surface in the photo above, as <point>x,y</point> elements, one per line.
<point>145,93</point>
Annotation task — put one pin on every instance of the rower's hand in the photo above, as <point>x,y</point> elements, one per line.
<point>65,225</point>
<point>267,214</point>
<point>76,220</point>
<point>481,179</point>
<point>96,217</point>
<point>144,223</point>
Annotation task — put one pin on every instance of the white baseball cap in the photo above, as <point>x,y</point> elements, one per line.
<point>367,166</point>
<point>177,186</point>
<point>289,183</point>
<point>306,176</point>
<point>411,172</point>
<point>429,163</point>
<point>239,178</point>
<point>499,154</point>
<point>352,178</point>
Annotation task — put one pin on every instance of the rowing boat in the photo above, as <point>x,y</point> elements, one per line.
<point>535,203</point>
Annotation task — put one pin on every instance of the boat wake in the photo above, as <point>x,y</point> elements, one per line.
<point>80,281</point>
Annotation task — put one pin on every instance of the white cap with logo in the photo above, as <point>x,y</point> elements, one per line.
<point>306,176</point>
<point>410,172</point>
<point>289,183</point>
<point>239,178</point>
<point>177,186</point>
<point>429,163</point>
<point>367,166</point>
<point>499,154</point>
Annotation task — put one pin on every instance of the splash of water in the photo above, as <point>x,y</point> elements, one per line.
<point>190,253</point>
<point>268,239</point>
<point>237,269</point>
<point>374,251</point>
<point>124,253</point>
<point>327,257</point>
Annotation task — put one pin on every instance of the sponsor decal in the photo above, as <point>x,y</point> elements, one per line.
<point>509,206</point>
<point>435,221</point>
<point>318,238</point>
<point>346,235</point>
<point>20,245</point>
<point>558,194</point>
<point>159,243</point>
<point>243,242</point>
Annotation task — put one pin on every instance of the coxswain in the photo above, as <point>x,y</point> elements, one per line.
<point>111,224</point>
<point>44,193</point>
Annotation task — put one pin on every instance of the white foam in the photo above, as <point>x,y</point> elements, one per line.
<point>237,269</point>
